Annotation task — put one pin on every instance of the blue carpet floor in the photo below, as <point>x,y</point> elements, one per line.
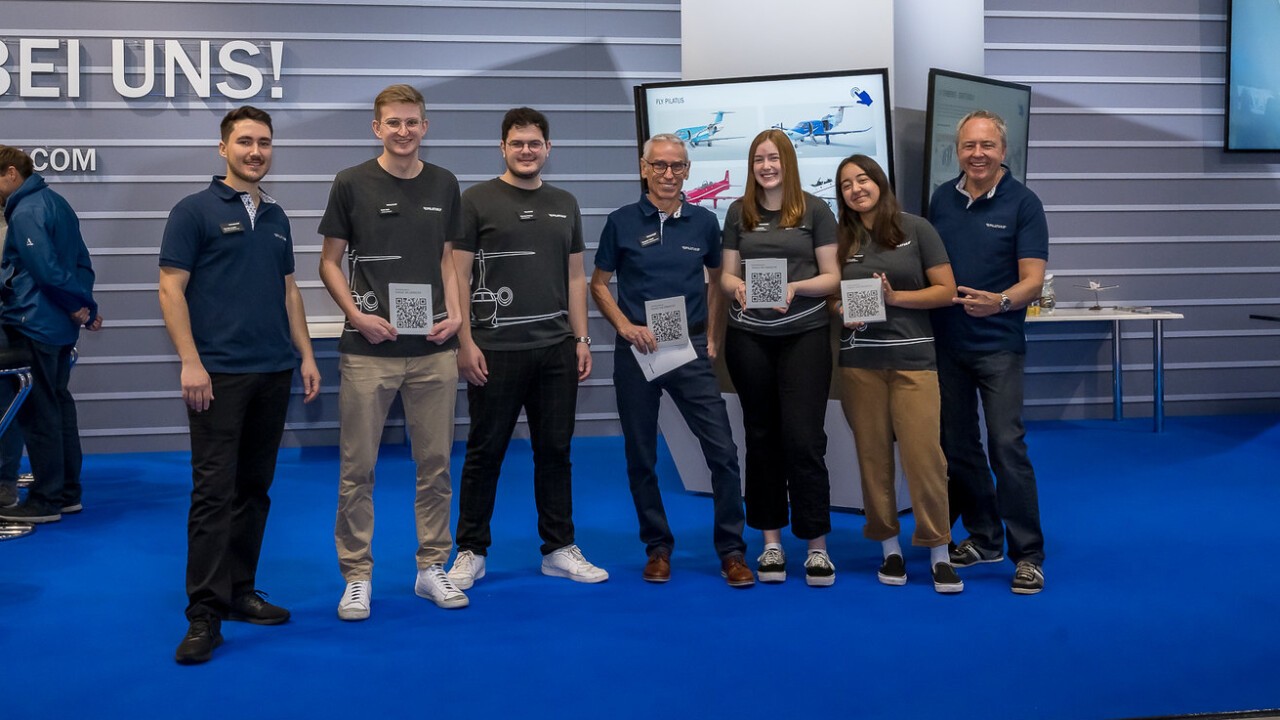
<point>1161,598</point>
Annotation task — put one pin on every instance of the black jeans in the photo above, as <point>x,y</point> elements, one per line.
<point>234,445</point>
<point>1009,505</point>
<point>696,393</point>
<point>48,420</point>
<point>544,382</point>
<point>782,383</point>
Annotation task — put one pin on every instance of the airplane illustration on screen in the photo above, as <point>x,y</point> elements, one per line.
<point>709,190</point>
<point>702,134</point>
<point>823,127</point>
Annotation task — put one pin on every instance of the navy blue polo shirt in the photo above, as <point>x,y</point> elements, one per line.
<point>656,258</point>
<point>238,266</point>
<point>985,239</point>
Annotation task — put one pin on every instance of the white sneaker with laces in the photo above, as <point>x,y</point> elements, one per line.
<point>568,562</point>
<point>355,600</point>
<point>468,567</point>
<point>435,586</point>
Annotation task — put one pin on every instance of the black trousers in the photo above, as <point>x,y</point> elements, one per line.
<point>544,382</point>
<point>782,383</point>
<point>234,445</point>
<point>48,420</point>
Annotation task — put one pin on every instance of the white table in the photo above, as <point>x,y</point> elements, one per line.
<point>1116,316</point>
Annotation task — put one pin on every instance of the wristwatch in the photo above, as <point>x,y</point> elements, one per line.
<point>585,340</point>
<point>1005,303</point>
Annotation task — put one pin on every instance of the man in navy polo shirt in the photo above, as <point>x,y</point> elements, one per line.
<point>997,237</point>
<point>659,248</point>
<point>235,316</point>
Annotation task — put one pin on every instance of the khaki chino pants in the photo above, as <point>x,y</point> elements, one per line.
<point>428,387</point>
<point>881,405</point>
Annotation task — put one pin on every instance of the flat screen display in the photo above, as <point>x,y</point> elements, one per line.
<point>953,95</point>
<point>1253,76</point>
<point>827,116</point>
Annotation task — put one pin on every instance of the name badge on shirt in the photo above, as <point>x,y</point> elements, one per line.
<point>650,239</point>
<point>389,209</point>
<point>231,227</point>
<point>527,216</point>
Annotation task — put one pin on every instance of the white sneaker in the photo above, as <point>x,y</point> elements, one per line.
<point>355,600</point>
<point>468,567</point>
<point>435,586</point>
<point>567,562</point>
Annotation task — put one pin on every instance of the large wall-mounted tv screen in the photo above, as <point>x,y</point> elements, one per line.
<point>1253,76</point>
<point>953,95</point>
<point>828,117</point>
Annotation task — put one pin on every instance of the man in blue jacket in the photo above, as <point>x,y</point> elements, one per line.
<point>48,297</point>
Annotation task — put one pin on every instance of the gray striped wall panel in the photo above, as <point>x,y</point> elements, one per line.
<point>1126,131</point>
<point>577,61</point>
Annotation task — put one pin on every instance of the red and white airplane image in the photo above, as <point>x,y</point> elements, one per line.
<point>709,190</point>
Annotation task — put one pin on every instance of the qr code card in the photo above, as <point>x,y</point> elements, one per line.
<point>766,283</point>
<point>411,310</point>
<point>863,300</point>
<point>667,321</point>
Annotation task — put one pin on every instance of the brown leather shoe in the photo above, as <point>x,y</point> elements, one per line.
<point>735,572</point>
<point>658,569</point>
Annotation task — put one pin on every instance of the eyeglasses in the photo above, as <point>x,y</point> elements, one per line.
<point>394,124</point>
<point>661,167</point>
<point>533,145</point>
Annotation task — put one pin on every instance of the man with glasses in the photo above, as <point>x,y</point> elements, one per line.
<point>526,346</point>
<point>659,248</point>
<point>395,218</point>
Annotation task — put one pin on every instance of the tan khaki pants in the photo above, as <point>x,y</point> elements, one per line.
<point>428,389</point>
<point>881,405</point>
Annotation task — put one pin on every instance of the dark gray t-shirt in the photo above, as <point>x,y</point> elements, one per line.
<point>395,231</point>
<point>522,240</point>
<point>904,341</point>
<point>797,246</point>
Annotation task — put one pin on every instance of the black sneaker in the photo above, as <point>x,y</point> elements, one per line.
<point>1028,578</point>
<point>945,579</point>
<point>26,512</point>
<point>818,570</point>
<point>772,566</point>
<point>197,646</point>
<point>893,571</point>
<point>252,608</point>
<point>8,495</point>
<point>71,507</point>
<point>968,554</point>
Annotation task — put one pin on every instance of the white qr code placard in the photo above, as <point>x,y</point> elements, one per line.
<point>863,300</point>
<point>766,283</point>
<point>667,321</point>
<point>411,310</point>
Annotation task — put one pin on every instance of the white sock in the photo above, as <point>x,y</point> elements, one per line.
<point>891,546</point>
<point>773,546</point>
<point>939,554</point>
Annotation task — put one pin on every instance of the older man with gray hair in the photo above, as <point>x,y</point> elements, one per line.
<point>659,248</point>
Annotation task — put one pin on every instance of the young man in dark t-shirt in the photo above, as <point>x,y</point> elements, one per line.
<point>526,346</point>
<point>395,218</point>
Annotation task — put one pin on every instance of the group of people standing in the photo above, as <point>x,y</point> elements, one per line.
<point>489,285</point>
<point>965,274</point>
